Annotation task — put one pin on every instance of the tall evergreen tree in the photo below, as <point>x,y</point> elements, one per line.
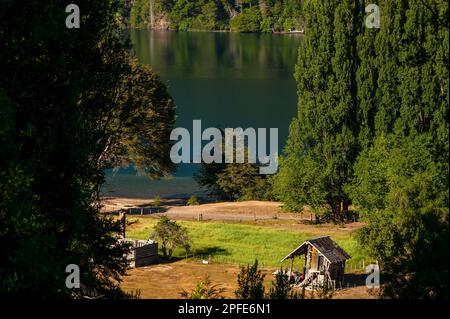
<point>366,78</point>
<point>387,48</point>
<point>401,181</point>
<point>322,144</point>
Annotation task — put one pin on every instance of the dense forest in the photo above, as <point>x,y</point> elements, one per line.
<point>234,15</point>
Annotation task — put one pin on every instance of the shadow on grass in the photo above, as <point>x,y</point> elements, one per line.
<point>203,253</point>
<point>209,251</point>
<point>355,280</point>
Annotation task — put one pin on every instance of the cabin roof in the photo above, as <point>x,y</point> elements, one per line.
<point>325,245</point>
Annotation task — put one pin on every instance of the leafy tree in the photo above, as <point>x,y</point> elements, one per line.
<point>143,114</point>
<point>247,21</point>
<point>407,214</point>
<point>243,182</point>
<point>170,235</point>
<point>266,24</point>
<point>207,177</point>
<point>250,283</point>
<point>387,47</point>
<point>208,19</point>
<point>401,180</point>
<point>183,12</point>
<point>156,201</point>
<point>282,289</point>
<point>139,14</point>
<point>322,144</point>
<point>234,181</point>
<point>366,78</point>
<point>193,201</point>
<point>67,110</point>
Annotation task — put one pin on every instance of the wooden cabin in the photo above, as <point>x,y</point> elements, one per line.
<point>324,263</point>
<point>143,252</point>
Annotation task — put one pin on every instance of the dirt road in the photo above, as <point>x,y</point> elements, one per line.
<point>232,211</point>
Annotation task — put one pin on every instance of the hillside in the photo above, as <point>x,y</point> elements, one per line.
<point>229,15</point>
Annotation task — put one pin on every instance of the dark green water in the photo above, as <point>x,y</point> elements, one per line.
<point>223,79</point>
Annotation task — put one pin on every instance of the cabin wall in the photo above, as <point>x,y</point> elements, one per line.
<point>314,255</point>
<point>308,259</point>
<point>143,254</point>
<point>336,271</point>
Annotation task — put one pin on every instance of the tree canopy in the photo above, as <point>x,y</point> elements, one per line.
<point>235,15</point>
<point>372,132</point>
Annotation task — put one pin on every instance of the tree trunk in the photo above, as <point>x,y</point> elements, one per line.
<point>152,16</point>
<point>335,210</point>
<point>345,206</point>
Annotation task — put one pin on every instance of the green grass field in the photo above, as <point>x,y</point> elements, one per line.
<point>241,243</point>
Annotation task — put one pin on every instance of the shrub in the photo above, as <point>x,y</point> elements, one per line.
<point>204,290</point>
<point>247,21</point>
<point>250,283</point>
<point>282,289</point>
<point>156,201</point>
<point>193,201</point>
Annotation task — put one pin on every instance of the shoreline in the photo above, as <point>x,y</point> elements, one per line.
<point>298,33</point>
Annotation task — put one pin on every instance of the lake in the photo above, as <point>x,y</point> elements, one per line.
<point>224,80</point>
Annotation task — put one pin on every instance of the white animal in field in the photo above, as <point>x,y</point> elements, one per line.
<point>205,262</point>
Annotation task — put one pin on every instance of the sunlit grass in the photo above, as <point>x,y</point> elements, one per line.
<point>240,243</point>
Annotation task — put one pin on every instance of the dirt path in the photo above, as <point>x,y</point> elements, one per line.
<point>255,212</point>
<point>233,211</point>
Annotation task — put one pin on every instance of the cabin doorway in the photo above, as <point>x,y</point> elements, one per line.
<point>319,263</point>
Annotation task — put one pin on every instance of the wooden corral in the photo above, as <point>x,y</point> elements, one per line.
<point>324,263</point>
<point>143,252</point>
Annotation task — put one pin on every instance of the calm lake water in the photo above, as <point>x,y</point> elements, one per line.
<point>222,79</point>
